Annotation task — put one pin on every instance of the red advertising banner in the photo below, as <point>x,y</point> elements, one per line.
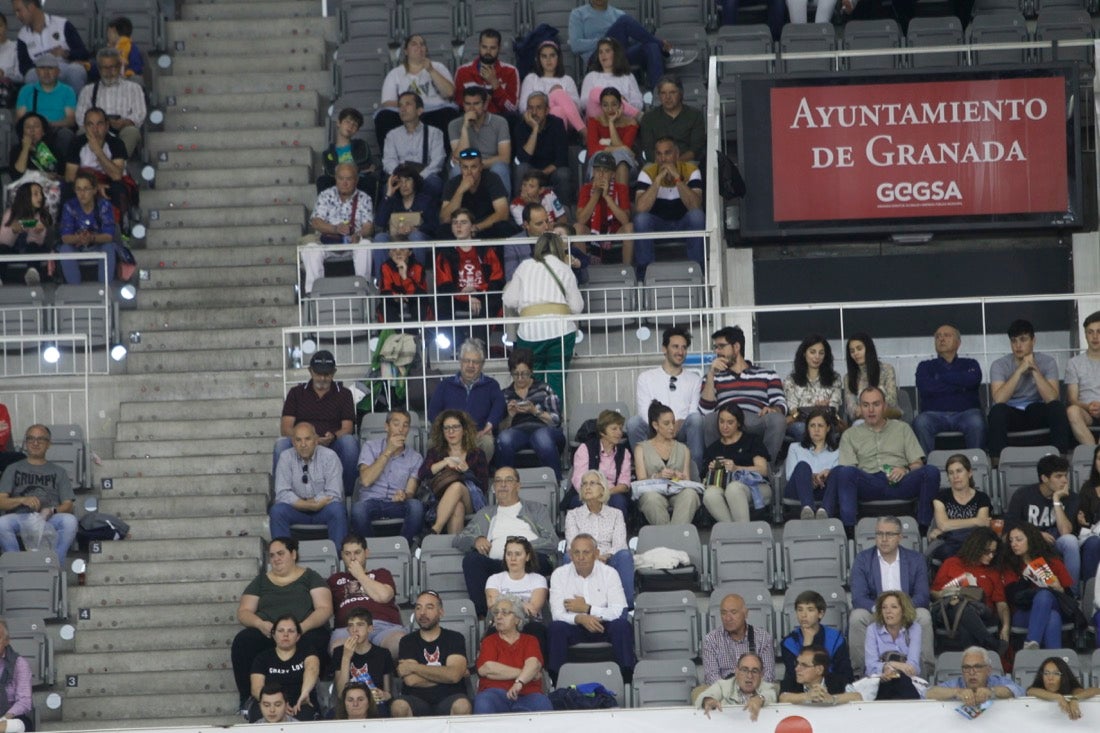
<point>950,148</point>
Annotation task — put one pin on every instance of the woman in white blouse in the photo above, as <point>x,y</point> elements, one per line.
<point>419,74</point>
<point>607,525</point>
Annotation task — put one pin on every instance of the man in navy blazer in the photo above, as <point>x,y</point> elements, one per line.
<point>888,566</point>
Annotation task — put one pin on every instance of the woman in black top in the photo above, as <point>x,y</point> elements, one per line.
<point>730,500</point>
<point>294,666</point>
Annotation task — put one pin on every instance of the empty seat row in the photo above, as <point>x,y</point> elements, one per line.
<point>31,311</point>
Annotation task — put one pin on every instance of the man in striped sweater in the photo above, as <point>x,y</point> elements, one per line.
<point>758,391</point>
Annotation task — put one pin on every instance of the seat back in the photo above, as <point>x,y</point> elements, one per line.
<point>541,485</point>
<point>460,615</point>
<point>814,548</point>
<point>28,637</point>
<point>580,413</point>
<point>673,285</point>
<point>1017,468</point>
<point>146,17</point>
<point>1065,24</point>
<point>998,28</point>
<point>607,674</point>
<point>438,22</point>
<point>22,309</point>
<point>758,603</point>
<point>68,449</point>
<point>983,473</point>
<point>1029,661</point>
<point>32,583</point>
<point>663,682</point>
<point>83,309</point>
<point>1080,465</point>
<point>392,553</point>
<point>861,35</point>
<point>440,567</point>
<point>804,37</point>
<point>949,665</point>
<point>939,31</point>
<point>684,537</point>
<point>666,624</point>
<point>321,555</point>
<point>741,551</point>
<point>339,301</point>
<point>610,289</point>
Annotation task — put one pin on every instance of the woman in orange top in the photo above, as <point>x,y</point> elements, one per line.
<point>973,567</point>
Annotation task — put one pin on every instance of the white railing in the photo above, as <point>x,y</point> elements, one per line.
<point>50,403</point>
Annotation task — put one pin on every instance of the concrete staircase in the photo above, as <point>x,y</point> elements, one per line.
<point>157,613</point>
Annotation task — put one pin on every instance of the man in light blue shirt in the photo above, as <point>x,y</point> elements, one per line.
<point>977,684</point>
<point>388,477</point>
<point>598,19</point>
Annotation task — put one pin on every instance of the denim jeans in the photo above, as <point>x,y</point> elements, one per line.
<point>495,700</point>
<point>1043,621</point>
<point>366,511</point>
<point>333,515</point>
<point>971,423</point>
<point>546,441</point>
<point>644,252</point>
<point>12,525</point>
<point>70,269</point>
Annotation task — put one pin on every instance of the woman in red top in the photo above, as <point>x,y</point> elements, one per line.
<point>613,131</point>
<point>1033,597</point>
<point>509,667</point>
<point>972,567</point>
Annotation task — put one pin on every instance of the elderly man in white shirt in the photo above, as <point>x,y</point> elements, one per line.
<point>587,604</point>
<point>123,100</point>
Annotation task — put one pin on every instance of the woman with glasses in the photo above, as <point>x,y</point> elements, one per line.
<point>965,622</point>
<point>544,291</point>
<point>509,666</point>
<point>607,525</point>
<point>87,225</point>
<point>285,588</point>
<point>534,416</point>
<point>1056,682</point>
<point>456,470</point>
<point>521,580</point>
<point>958,509</point>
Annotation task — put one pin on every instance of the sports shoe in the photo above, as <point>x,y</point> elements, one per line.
<point>31,277</point>
<point>821,513</point>
<point>678,57</point>
<point>1031,645</point>
<point>807,513</point>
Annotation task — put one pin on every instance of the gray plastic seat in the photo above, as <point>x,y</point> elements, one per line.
<point>860,35</point>
<point>998,28</point>
<point>666,624</point>
<point>807,37</point>
<point>938,31</point>
<point>741,552</point>
<point>339,301</point>
<point>392,553</point>
<point>441,567</point>
<point>663,682</point>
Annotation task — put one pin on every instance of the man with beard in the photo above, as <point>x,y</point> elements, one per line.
<point>123,100</point>
<point>501,80</point>
<point>432,665</point>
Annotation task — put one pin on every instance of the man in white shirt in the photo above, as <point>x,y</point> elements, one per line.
<point>123,100</point>
<point>676,387</point>
<point>587,604</point>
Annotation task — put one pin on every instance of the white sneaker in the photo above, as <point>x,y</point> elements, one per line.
<point>678,57</point>
<point>821,513</point>
<point>1031,645</point>
<point>807,513</point>
<point>31,277</point>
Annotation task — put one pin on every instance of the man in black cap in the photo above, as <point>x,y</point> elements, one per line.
<point>327,405</point>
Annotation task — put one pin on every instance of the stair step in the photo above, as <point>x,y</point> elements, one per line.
<point>207,161</point>
<point>204,34</point>
<point>121,467</point>
<point>137,707</point>
<point>105,597</point>
<point>205,447</point>
<point>194,634</point>
<point>249,10</point>
<point>318,80</point>
<point>195,723</point>
<point>228,276</point>
<point>219,122</point>
<point>299,57</point>
<point>167,299</point>
<point>194,486</point>
<point>153,617</point>
<point>115,662</point>
<point>183,179</point>
<point>200,409</point>
<point>242,571</point>
<point>163,200</point>
<point>252,101</point>
<point>199,318</point>
<point>210,549</point>
<point>267,426</point>
<point>199,507</point>
<point>227,340</point>
<point>162,241</point>
<point>228,216</point>
<point>315,138</point>
<point>196,682</point>
<point>255,526</point>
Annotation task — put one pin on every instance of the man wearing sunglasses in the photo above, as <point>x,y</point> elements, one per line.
<point>480,191</point>
<point>36,486</point>
<point>308,487</point>
<point>676,387</point>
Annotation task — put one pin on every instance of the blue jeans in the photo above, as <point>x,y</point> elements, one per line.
<point>971,423</point>
<point>547,442</point>
<point>777,9</point>
<point>332,515</point>
<point>366,511</point>
<point>644,221</point>
<point>70,269</point>
<point>1090,558</point>
<point>347,449</point>
<point>801,485</point>
<point>12,525</point>
<point>1070,549</point>
<point>619,633</point>
<point>691,434</point>
<point>848,485</point>
<point>1043,621</point>
<point>495,700</point>
<point>642,47</point>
